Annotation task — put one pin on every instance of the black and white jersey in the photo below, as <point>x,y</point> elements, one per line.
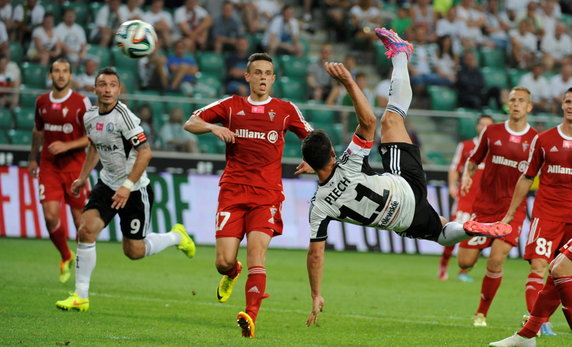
<point>355,194</point>
<point>115,135</point>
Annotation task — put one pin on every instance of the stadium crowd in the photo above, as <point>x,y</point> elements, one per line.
<point>468,51</point>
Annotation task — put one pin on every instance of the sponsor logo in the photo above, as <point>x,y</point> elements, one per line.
<point>105,147</point>
<point>272,136</point>
<point>257,109</point>
<point>498,143</point>
<point>56,107</point>
<point>390,212</point>
<point>240,113</point>
<point>99,126</point>
<point>523,166</point>
<point>515,139</point>
<point>559,169</point>
<point>553,149</point>
<point>44,111</point>
<point>567,144</point>
<point>109,127</point>
<point>345,157</point>
<point>254,290</point>
<point>497,159</point>
<point>67,128</point>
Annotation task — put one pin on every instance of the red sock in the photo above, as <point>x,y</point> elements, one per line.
<point>58,237</point>
<point>546,303</point>
<point>534,285</point>
<point>447,252</point>
<point>491,283</point>
<point>255,288</point>
<point>464,271</point>
<point>232,273</point>
<point>564,287</point>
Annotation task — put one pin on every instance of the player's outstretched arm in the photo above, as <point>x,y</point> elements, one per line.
<point>58,147</point>
<point>520,190</point>
<point>315,265</point>
<point>37,141</point>
<point>467,178</point>
<point>91,160</point>
<point>197,125</point>
<point>364,112</point>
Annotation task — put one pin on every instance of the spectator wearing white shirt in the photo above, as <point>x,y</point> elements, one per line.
<point>107,21</point>
<point>283,34</point>
<point>453,27</point>
<point>161,20</point>
<point>518,6</point>
<point>497,25</point>
<point>4,48</point>
<point>72,37</point>
<point>549,14</point>
<point>538,86</point>
<point>8,79</point>
<point>532,16</point>
<point>226,29</point>
<point>6,16</point>
<point>262,14</point>
<point>193,23</point>
<point>560,84</point>
<point>474,20</point>
<point>318,79</point>
<point>524,44</point>
<point>422,13</point>
<point>382,92</point>
<point>445,60</point>
<point>26,17</point>
<point>365,17</point>
<point>556,48</point>
<point>85,81</point>
<point>130,11</point>
<point>45,45</point>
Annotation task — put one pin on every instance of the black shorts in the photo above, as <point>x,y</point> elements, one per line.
<point>134,218</point>
<point>403,159</point>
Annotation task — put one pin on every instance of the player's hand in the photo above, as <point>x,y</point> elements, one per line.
<point>454,191</point>
<point>317,307</point>
<point>466,183</point>
<point>57,147</point>
<point>224,134</point>
<point>304,168</point>
<point>507,219</point>
<point>77,186</point>
<point>120,198</point>
<point>338,71</point>
<point>33,168</point>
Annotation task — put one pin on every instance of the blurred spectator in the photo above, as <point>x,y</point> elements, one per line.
<point>130,11</point>
<point>145,113</point>
<point>474,20</point>
<point>402,24</point>
<point>497,25</point>
<point>382,91</point>
<point>283,33</point>
<point>174,137</point>
<point>422,63</point>
<point>350,62</point>
<point>560,83</point>
<point>441,7</point>
<point>194,23</point>
<point>9,78</point>
<point>470,85</point>
<point>161,20</point>
<point>422,13</point>
<point>153,71</point>
<point>182,69</point>
<point>556,48</point>
<point>107,21</point>
<point>453,27</point>
<point>45,45</point>
<point>236,68</point>
<point>226,28</point>
<point>85,81</point>
<point>264,12</point>
<point>446,61</point>
<point>72,37</point>
<point>548,13</point>
<point>524,44</point>
<point>26,17</point>
<point>6,17</point>
<point>532,16</point>
<point>365,18</point>
<point>538,86</point>
<point>318,79</point>
<point>337,12</point>
<point>517,6</point>
<point>3,39</point>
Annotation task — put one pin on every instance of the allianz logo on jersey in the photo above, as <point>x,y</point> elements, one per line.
<point>559,169</point>
<point>67,128</point>
<point>105,147</point>
<point>500,160</point>
<point>271,136</point>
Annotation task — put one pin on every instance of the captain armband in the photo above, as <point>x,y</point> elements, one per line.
<point>138,139</point>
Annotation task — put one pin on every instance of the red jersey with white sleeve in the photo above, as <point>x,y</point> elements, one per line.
<point>465,202</point>
<point>255,159</point>
<point>505,154</point>
<point>551,156</point>
<point>61,120</point>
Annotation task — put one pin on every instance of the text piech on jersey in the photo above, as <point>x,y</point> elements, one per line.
<point>337,192</point>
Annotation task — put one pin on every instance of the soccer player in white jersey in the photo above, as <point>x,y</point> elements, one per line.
<point>350,192</point>
<point>117,139</point>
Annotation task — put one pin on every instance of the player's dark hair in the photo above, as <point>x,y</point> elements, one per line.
<point>316,148</point>
<point>60,60</point>
<point>108,70</point>
<point>258,56</point>
<point>569,90</point>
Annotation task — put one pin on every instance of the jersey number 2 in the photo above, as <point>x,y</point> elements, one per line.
<point>363,191</point>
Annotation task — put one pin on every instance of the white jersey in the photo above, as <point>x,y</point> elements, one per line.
<point>115,135</point>
<point>355,194</point>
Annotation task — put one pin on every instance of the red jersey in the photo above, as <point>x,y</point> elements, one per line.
<point>61,120</point>
<point>462,153</point>
<point>551,155</point>
<point>255,158</point>
<point>505,154</point>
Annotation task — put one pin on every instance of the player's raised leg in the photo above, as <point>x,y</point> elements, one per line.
<point>227,265</point>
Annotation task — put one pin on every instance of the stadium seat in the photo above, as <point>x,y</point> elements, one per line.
<point>3,138</point>
<point>25,118</point>
<point>128,79</point>
<point>566,19</point>
<point>334,131</point>
<point>34,75</point>
<point>514,76</point>
<point>16,51</point>
<point>495,77</point>
<point>53,8</point>
<point>6,120</point>
<point>20,137</point>
<point>442,98</point>
<point>81,11</point>
<point>320,116</point>
<point>120,61</point>
<point>491,57</point>
<point>292,88</point>
<point>208,143</point>
<point>158,107</point>
<point>437,158</point>
<point>254,41</point>
<point>466,128</point>
<point>291,138</point>
<point>94,7</point>
<point>27,99</point>
<point>292,150</point>
<point>180,102</point>
<point>208,85</point>
<point>211,63</point>
<point>102,53</point>
<point>293,67</point>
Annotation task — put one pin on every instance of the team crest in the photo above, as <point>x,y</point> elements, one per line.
<point>273,211</point>
<point>65,111</point>
<point>271,115</point>
<point>109,127</point>
<point>525,146</point>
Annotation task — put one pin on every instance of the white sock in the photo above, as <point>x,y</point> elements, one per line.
<point>452,233</point>
<point>155,243</point>
<point>84,265</point>
<point>400,93</point>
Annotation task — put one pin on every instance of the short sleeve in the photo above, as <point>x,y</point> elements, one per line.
<point>38,120</point>
<point>318,224</point>
<point>297,124</point>
<point>535,158</point>
<point>482,148</point>
<point>129,126</point>
<point>216,112</point>
<point>353,157</point>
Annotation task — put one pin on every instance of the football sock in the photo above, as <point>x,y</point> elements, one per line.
<point>534,285</point>
<point>447,252</point>
<point>58,237</point>
<point>233,272</point>
<point>155,243</point>
<point>546,303</point>
<point>452,233</point>
<point>465,271</point>
<point>491,283</point>
<point>400,93</point>
<point>255,288</point>
<point>564,286</point>
<point>84,265</point>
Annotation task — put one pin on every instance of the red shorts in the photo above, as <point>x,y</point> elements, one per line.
<point>55,185</point>
<point>242,209</point>
<point>567,249</point>
<point>544,238</point>
<point>481,242</point>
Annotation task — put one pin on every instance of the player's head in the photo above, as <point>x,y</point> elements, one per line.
<point>317,149</point>
<point>260,73</point>
<point>60,73</point>
<point>107,86</point>
<point>567,105</point>
<point>519,103</point>
<point>484,121</point>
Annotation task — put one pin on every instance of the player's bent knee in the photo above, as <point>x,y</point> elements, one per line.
<point>561,267</point>
<point>224,265</point>
<point>134,254</point>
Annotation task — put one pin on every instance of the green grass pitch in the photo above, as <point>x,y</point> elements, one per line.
<point>169,300</point>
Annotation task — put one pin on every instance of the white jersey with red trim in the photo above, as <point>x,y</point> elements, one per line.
<point>354,193</point>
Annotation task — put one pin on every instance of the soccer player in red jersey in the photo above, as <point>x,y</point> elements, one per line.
<point>59,130</point>
<point>504,148</point>
<point>463,208</point>
<point>551,227</point>
<point>250,197</point>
